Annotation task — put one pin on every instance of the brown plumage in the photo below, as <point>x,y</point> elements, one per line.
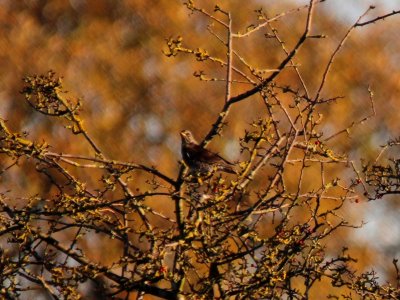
<point>201,160</point>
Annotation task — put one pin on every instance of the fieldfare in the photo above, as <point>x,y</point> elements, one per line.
<point>200,160</point>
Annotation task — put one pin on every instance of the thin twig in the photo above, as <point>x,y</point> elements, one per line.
<point>333,56</point>
<point>355,123</point>
<point>229,60</point>
<point>270,20</point>
<point>106,162</point>
<point>395,12</point>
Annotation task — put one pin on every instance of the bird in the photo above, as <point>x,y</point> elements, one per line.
<point>200,160</point>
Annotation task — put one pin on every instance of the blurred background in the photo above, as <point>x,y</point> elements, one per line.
<point>136,100</point>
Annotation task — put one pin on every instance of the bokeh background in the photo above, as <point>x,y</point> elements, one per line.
<point>136,100</point>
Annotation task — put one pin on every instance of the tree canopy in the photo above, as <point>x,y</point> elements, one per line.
<point>96,201</point>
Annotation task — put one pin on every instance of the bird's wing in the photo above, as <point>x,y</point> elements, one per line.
<point>208,156</point>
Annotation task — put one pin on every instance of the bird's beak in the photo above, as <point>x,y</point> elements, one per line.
<point>182,134</point>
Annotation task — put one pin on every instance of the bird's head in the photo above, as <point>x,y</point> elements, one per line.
<point>187,137</point>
